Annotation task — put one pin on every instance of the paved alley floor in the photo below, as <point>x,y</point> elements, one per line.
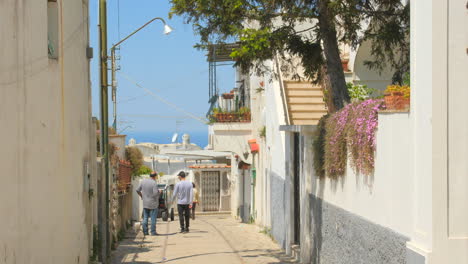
<point>212,239</point>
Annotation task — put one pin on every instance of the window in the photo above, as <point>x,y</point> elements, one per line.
<point>52,29</point>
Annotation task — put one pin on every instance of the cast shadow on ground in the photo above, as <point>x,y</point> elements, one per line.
<point>261,253</point>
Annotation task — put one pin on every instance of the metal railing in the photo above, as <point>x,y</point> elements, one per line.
<point>283,91</point>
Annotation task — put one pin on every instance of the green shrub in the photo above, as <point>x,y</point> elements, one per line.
<point>143,170</point>
<point>134,155</point>
<point>359,92</point>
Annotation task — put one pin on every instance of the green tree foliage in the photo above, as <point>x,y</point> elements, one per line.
<point>134,155</point>
<point>143,170</point>
<point>267,28</point>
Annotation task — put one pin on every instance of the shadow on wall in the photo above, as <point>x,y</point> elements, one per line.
<point>278,209</point>
<point>316,206</point>
<point>341,237</point>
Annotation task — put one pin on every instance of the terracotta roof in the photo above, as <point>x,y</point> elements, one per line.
<point>209,166</point>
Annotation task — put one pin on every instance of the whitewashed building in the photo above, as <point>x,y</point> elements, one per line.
<point>48,199</point>
<point>414,210</point>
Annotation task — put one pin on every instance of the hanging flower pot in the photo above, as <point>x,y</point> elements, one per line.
<point>228,95</point>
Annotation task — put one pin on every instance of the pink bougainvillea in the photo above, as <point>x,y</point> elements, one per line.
<point>352,130</point>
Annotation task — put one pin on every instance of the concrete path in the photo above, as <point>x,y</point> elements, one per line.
<point>212,239</point>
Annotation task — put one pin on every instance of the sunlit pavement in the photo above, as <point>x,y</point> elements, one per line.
<point>212,239</point>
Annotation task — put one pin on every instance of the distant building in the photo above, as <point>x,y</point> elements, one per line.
<point>149,148</point>
<point>167,166</point>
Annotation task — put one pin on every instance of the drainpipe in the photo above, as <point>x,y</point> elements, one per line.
<point>252,189</point>
<point>254,149</point>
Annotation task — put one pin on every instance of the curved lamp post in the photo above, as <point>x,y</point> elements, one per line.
<point>104,216</point>
<point>167,30</point>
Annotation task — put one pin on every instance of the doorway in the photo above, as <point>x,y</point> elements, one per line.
<point>210,190</point>
<point>297,188</point>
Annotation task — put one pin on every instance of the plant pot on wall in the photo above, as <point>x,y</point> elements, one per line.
<point>396,101</point>
<point>246,117</point>
<point>344,63</point>
<point>228,95</point>
<point>220,117</point>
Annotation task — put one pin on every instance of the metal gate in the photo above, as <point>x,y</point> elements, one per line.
<point>210,188</point>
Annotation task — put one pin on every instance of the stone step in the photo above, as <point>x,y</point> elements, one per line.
<point>303,85</point>
<point>306,100</point>
<point>296,253</point>
<point>305,122</point>
<point>304,92</point>
<point>295,107</point>
<point>308,114</point>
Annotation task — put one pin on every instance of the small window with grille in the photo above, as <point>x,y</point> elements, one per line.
<point>52,29</point>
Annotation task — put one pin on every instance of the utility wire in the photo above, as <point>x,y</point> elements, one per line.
<point>154,116</point>
<point>159,98</point>
<point>118,18</point>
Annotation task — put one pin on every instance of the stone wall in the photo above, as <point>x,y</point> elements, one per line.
<point>279,214</point>
<point>340,237</point>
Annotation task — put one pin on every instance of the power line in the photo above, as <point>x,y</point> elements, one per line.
<point>159,98</point>
<point>154,116</point>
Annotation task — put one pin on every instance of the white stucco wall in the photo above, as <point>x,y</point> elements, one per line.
<point>274,142</point>
<point>439,68</point>
<point>45,117</point>
<point>361,74</point>
<point>232,137</point>
<point>386,197</point>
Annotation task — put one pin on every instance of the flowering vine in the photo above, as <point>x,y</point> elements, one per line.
<point>350,130</point>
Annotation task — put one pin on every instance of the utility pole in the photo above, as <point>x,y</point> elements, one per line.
<point>105,232</point>
<point>114,88</point>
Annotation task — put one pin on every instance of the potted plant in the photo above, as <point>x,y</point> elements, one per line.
<point>397,97</point>
<point>230,117</point>
<point>228,95</point>
<point>344,64</point>
<point>244,113</point>
<point>218,114</point>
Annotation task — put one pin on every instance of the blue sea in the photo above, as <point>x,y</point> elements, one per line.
<point>199,137</point>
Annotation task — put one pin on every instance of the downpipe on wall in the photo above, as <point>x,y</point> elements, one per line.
<point>253,180</point>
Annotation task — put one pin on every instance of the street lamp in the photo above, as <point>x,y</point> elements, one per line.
<point>167,31</point>
<point>104,217</point>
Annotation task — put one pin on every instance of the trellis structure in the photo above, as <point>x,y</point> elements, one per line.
<point>218,55</point>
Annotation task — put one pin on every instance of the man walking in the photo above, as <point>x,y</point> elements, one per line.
<point>148,191</point>
<point>184,192</point>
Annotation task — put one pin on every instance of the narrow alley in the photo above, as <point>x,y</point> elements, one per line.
<point>212,239</point>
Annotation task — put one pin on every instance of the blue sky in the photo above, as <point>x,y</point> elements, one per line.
<point>168,65</point>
